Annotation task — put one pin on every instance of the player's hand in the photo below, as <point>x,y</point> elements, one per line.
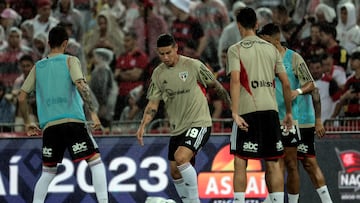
<point>32,129</point>
<point>294,94</point>
<point>139,135</point>
<point>319,129</point>
<point>96,125</point>
<point>240,122</point>
<point>288,121</point>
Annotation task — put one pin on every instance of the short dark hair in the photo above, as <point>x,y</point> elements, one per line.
<point>165,40</point>
<point>281,9</point>
<point>355,55</point>
<point>26,57</point>
<point>131,33</point>
<point>247,18</point>
<point>314,59</point>
<point>269,29</point>
<point>57,36</point>
<point>328,29</point>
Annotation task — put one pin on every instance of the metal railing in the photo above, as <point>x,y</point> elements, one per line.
<point>158,126</point>
<point>345,125</point>
<point>161,126</point>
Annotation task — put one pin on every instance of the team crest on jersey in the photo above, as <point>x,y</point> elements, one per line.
<point>183,75</point>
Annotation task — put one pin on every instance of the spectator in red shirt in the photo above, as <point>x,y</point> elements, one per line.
<point>129,71</point>
<point>148,26</point>
<point>186,28</point>
<point>351,93</point>
<point>10,55</point>
<point>328,39</point>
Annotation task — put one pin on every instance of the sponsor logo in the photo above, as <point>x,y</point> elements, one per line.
<point>303,148</point>
<point>79,147</point>
<point>47,152</point>
<point>56,100</point>
<point>250,147</point>
<point>183,75</point>
<point>217,183</point>
<point>172,93</point>
<point>286,132</point>
<point>255,84</point>
<point>279,146</point>
<point>349,177</point>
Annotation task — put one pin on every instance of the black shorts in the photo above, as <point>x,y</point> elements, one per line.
<point>306,146</point>
<point>194,138</point>
<point>290,138</point>
<point>263,139</point>
<point>72,136</point>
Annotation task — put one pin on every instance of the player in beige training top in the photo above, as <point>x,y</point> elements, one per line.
<point>181,83</point>
<point>253,64</point>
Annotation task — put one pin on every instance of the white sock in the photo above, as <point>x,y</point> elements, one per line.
<point>293,198</point>
<point>324,194</point>
<point>98,175</point>
<point>276,197</point>
<point>188,173</point>
<point>42,185</point>
<point>239,197</point>
<point>180,188</point>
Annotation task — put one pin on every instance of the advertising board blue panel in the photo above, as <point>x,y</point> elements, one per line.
<point>136,172</point>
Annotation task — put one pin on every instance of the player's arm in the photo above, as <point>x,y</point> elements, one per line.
<point>149,114</point>
<point>83,89</point>
<point>287,98</point>
<point>319,128</point>
<point>221,92</point>
<point>28,86</point>
<point>304,76</point>
<point>208,78</point>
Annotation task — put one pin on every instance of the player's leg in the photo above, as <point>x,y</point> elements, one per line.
<point>42,185</point>
<point>82,146</point>
<point>293,178</point>
<point>98,175</point>
<point>306,152</point>
<point>239,179</point>
<point>274,178</point>
<point>52,153</point>
<point>194,139</point>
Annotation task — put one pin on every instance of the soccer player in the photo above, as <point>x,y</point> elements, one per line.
<point>253,64</point>
<point>180,82</point>
<point>61,91</point>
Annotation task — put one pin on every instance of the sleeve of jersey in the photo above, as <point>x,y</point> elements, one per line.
<point>279,66</point>
<point>302,70</point>
<point>153,92</point>
<point>205,75</point>
<point>75,69</point>
<point>29,83</point>
<point>233,60</point>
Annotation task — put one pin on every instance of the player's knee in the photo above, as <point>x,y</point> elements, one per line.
<point>181,159</point>
<point>175,174</point>
<point>96,156</point>
<point>308,165</point>
<point>50,168</point>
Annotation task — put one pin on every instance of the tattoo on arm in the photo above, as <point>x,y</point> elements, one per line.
<point>151,112</point>
<point>85,94</point>
<point>316,102</point>
<point>222,93</point>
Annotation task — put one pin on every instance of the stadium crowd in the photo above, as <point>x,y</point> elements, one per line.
<point>115,41</point>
